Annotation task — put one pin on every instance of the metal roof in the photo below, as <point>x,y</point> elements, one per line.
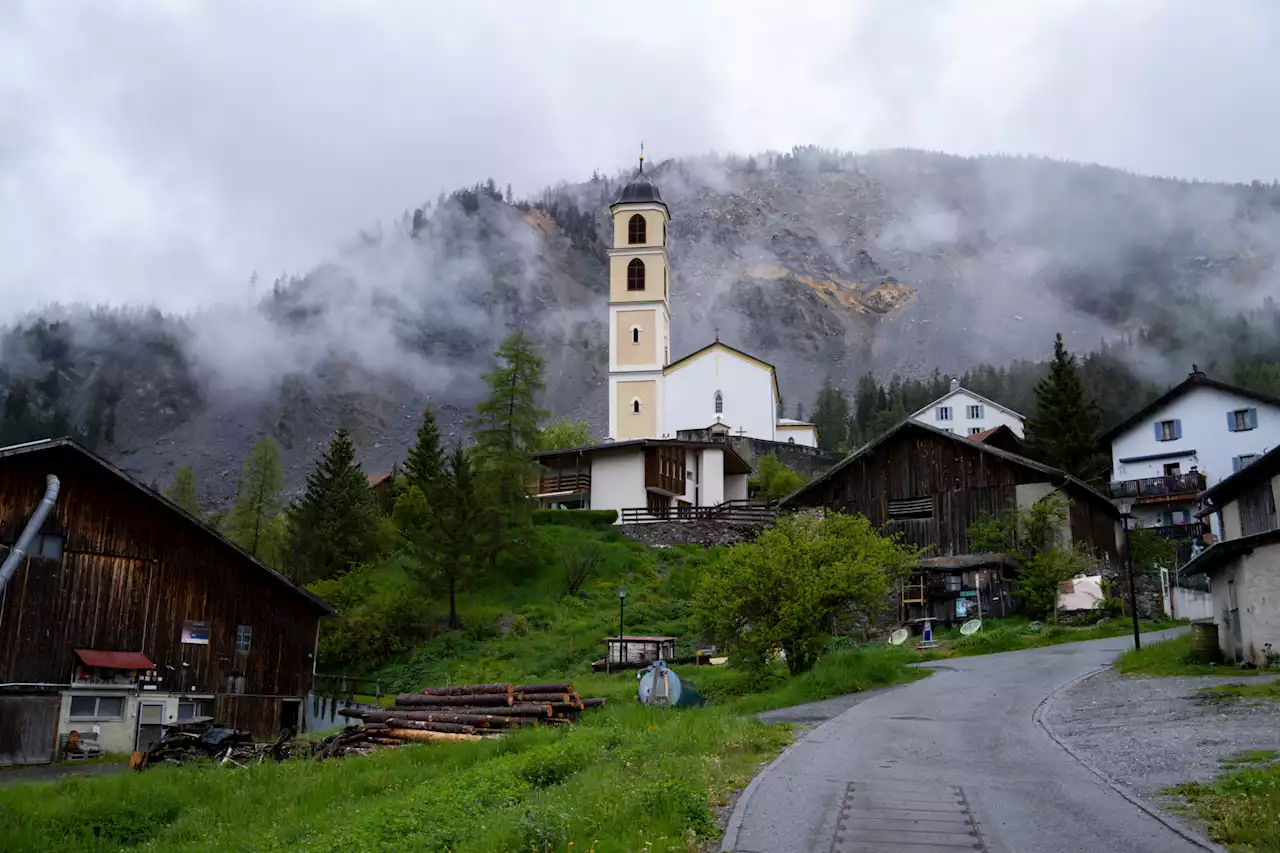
<point>114,660</point>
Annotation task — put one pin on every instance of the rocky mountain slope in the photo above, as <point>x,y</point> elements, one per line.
<point>820,262</point>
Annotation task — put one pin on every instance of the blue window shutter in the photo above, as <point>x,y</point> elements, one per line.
<point>1231,421</point>
<point>1235,464</point>
<point>1253,419</point>
<point>1177,429</point>
<point>1159,433</point>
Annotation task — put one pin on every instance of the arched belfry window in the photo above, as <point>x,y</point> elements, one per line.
<point>635,406</point>
<point>719,403</point>
<point>635,334</point>
<point>635,229</point>
<point>635,275</point>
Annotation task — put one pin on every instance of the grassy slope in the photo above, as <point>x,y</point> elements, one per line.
<point>1241,808</point>
<point>1009,635</point>
<point>1171,657</point>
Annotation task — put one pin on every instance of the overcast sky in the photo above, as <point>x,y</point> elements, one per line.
<point>161,152</point>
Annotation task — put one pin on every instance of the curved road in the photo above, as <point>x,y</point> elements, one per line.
<point>956,762</point>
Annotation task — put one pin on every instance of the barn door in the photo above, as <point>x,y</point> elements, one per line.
<point>150,725</point>
<point>28,729</point>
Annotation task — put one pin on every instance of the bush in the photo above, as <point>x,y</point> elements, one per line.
<point>576,517</point>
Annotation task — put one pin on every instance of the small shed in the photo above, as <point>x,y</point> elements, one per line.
<point>639,651</point>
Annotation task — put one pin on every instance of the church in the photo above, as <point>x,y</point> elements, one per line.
<point>667,454</point>
<point>651,396</point>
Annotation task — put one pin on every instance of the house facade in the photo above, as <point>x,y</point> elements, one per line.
<point>929,486</point>
<point>643,480</point>
<point>127,614</point>
<point>1193,437</point>
<point>962,412</point>
<point>1244,566</point>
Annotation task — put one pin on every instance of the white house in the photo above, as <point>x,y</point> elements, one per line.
<point>1244,567</point>
<point>962,412</point>
<point>643,479</point>
<point>1198,433</point>
<point>651,396</point>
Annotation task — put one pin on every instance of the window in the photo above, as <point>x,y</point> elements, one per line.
<point>952,583</point>
<point>791,440</point>
<point>635,406</point>
<point>1168,430</point>
<point>657,504</point>
<point>1242,419</point>
<point>719,403</point>
<point>635,229</point>
<point>635,334</point>
<point>1240,462</point>
<point>910,508</point>
<point>975,413</point>
<point>974,430</point>
<point>46,546</point>
<point>944,413</point>
<point>635,274</point>
<point>97,708</point>
<point>191,708</point>
<point>244,638</point>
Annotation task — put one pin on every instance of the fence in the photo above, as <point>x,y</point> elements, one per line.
<point>735,512</point>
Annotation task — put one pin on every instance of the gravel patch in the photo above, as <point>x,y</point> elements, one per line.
<point>1153,733</point>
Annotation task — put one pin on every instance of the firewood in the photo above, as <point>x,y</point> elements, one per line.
<point>466,689</point>
<point>422,725</point>
<point>479,720</point>
<point>563,687</point>
<point>426,737</point>
<point>474,699</point>
<point>542,697</point>
<point>593,703</point>
<point>530,710</point>
<point>566,707</point>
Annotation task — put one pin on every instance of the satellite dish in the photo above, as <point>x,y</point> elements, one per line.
<point>899,637</point>
<point>973,626</point>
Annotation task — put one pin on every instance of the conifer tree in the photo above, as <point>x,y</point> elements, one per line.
<point>425,463</point>
<point>334,526</point>
<point>1064,430</point>
<point>251,524</point>
<point>831,416</point>
<point>182,490</point>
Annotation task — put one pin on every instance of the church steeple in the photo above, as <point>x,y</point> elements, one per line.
<point>639,316</point>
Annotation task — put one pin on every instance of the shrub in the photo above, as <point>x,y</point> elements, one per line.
<point>576,517</point>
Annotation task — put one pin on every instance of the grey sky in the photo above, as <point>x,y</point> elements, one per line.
<point>160,152</point>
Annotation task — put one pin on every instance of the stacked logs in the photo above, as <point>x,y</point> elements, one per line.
<point>473,711</point>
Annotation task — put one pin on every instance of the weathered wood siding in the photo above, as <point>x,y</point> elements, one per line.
<point>1094,527</point>
<point>132,571</point>
<point>1257,509</point>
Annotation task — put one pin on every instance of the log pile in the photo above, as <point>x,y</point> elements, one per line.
<point>469,712</point>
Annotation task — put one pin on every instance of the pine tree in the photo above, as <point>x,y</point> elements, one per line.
<point>182,490</point>
<point>1064,430</point>
<point>251,524</point>
<point>425,463</point>
<point>831,416</point>
<point>334,526</point>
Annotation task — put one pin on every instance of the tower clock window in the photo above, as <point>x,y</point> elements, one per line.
<point>635,229</point>
<point>635,275</point>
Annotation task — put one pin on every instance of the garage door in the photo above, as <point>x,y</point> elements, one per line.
<point>28,728</point>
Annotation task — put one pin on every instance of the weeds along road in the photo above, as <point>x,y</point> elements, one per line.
<point>955,762</point>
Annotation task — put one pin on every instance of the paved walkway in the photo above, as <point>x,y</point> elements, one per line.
<point>956,762</point>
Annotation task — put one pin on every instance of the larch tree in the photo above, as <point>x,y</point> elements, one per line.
<point>335,524</point>
<point>1065,428</point>
<point>182,490</point>
<point>564,434</point>
<point>253,522</point>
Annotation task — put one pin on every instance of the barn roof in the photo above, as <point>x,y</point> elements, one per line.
<point>66,445</point>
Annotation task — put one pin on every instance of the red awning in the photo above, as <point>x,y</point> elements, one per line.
<point>114,660</point>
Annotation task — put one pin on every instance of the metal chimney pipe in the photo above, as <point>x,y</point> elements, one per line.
<point>33,527</point>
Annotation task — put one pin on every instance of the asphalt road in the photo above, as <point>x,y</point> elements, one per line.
<point>956,762</point>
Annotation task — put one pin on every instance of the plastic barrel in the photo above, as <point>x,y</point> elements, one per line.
<point>1204,641</point>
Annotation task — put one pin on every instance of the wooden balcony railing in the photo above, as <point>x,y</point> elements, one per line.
<point>737,512</point>
<point>569,481</point>
<point>1179,532</point>
<point>1158,487</point>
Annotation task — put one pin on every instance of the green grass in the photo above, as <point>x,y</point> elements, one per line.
<point>627,778</point>
<point>1251,756</point>
<point>1265,690</point>
<point>1011,635</point>
<point>1169,658</point>
<point>1242,808</point>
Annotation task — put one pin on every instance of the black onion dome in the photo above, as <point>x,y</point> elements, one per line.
<point>639,190</point>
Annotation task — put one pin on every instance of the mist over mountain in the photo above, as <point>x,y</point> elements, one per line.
<point>822,262</point>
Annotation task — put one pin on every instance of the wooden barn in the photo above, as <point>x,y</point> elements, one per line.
<point>126,614</point>
<point>929,486</point>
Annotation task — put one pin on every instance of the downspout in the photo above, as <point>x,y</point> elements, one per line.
<point>33,527</point>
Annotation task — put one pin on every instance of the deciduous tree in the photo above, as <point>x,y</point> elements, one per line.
<point>253,523</point>
<point>564,434</point>
<point>182,490</point>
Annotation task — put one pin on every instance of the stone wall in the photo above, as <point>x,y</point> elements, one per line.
<point>664,534</point>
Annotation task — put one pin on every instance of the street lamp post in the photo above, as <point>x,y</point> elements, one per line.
<point>622,643</point>
<point>1128,559</point>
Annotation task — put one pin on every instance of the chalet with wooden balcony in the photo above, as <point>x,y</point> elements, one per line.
<point>929,486</point>
<point>645,479</point>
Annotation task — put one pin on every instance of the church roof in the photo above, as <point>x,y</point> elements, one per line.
<point>699,353</point>
<point>640,190</point>
<point>792,422</point>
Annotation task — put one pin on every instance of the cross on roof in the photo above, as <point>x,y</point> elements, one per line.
<point>742,431</point>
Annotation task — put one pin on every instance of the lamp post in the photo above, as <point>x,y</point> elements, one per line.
<point>622,644</point>
<point>1128,559</point>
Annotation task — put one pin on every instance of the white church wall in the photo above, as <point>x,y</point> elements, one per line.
<point>617,480</point>
<point>747,389</point>
<point>959,404</point>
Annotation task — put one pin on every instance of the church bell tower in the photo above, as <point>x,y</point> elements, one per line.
<point>639,318</point>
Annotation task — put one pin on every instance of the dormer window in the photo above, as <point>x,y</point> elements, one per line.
<point>635,230</point>
<point>635,274</point>
<point>719,403</point>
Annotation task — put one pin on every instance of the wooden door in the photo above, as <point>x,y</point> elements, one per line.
<point>28,729</point>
